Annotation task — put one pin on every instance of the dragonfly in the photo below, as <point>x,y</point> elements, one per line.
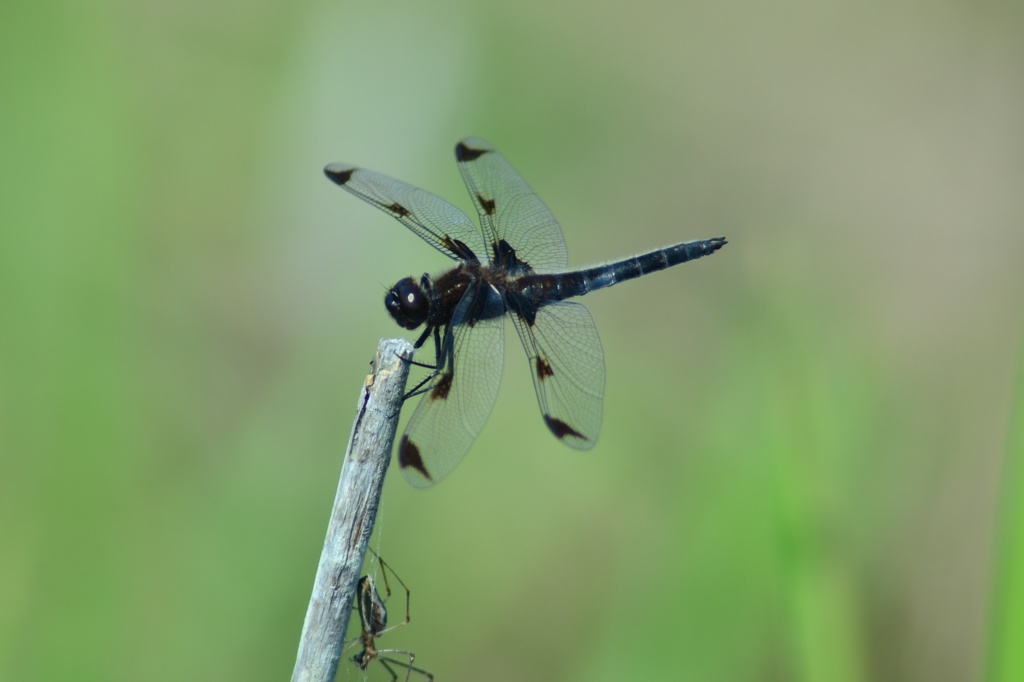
<point>515,265</point>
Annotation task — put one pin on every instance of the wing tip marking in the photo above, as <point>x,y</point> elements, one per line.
<point>339,174</point>
<point>464,152</point>
<point>409,458</point>
<point>561,429</point>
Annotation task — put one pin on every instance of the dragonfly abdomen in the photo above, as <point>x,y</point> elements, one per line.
<point>542,289</point>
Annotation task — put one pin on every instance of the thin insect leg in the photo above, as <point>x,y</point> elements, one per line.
<point>416,346</point>
<point>382,564</point>
<point>437,345</point>
<point>421,671</point>
<point>421,387</point>
<point>350,643</point>
<point>394,675</point>
<point>386,567</point>
<point>410,361</point>
<point>418,364</point>
<point>364,636</point>
<point>409,667</point>
<point>423,337</point>
<point>439,364</point>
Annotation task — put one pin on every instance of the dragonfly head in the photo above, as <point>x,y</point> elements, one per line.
<point>407,303</point>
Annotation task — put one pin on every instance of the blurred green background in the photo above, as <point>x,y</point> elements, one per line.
<point>804,468</point>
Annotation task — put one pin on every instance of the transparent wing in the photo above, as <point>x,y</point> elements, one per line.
<point>509,210</point>
<point>456,406</point>
<point>433,219</point>
<point>567,364</point>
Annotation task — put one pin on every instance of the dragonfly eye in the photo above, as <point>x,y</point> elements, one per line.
<point>407,304</point>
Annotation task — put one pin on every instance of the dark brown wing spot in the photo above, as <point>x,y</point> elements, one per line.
<point>441,388</point>
<point>464,153</point>
<point>543,369</point>
<point>487,204</point>
<point>505,256</point>
<point>409,457</point>
<point>561,429</point>
<point>398,210</point>
<point>340,177</point>
<point>458,248</point>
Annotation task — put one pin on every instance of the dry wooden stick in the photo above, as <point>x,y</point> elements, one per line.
<point>353,514</point>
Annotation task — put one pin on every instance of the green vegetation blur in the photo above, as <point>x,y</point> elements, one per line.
<point>809,461</point>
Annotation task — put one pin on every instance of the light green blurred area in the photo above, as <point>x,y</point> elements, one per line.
<point>800,467</point>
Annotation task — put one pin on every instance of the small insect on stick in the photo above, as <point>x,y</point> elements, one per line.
<point>373,618</point>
